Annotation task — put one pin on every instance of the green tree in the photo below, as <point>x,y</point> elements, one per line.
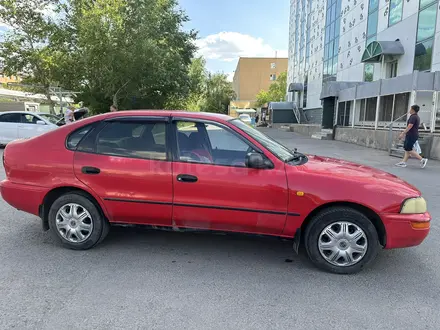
<point>218,94</point>
<point>132,53</point>
<point>197,77</point>
<point>263,97</point>
<point>207,92</point>
<point>31,47</point>
<point>276,93</point>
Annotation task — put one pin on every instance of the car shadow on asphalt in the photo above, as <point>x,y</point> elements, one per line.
<point>246,250</point>
<point>136,250</point>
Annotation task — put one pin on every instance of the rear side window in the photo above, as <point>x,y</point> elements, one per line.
<point>144,140</point>
<point>75,138</point>
<point>10,118</point>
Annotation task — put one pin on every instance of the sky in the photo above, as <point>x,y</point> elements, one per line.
<point>229,29</point>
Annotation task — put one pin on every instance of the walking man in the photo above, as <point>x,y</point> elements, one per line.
<point>113,108</point>
<point>411,135</point>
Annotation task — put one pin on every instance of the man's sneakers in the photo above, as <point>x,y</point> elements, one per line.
<point>423,163</point>
<point>401,164</point>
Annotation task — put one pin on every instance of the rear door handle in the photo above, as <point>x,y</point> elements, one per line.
<point>90,170</point>
<point>187,178</point>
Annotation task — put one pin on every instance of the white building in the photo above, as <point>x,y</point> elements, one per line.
<point>362,63</point>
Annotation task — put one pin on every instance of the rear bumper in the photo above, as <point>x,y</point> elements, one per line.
<point>405,230</point>
<point>23,197</point>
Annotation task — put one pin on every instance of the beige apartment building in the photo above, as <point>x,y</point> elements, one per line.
<point>254,74</point>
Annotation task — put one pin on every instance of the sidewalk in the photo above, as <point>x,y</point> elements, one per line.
<point>424,179</point>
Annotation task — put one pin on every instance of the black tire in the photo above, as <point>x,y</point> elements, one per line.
<point>334,215</point>
<point>100,224</point>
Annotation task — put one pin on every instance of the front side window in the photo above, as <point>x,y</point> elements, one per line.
<point>145,140</point>
<point>273,146</point>
<point>28,119</point>
<point>396,12</point>
<point>210,144</point>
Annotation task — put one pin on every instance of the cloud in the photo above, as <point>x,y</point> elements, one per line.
<point>229,46</point>
<point>230,76</point>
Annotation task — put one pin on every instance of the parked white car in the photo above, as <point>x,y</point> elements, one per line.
<point>22,124</point>
<point>245,118</point>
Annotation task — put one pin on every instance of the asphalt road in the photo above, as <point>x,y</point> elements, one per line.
<point>139,279</point>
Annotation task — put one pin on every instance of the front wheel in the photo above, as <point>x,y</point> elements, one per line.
<point>341,240</point>
<point>76,222</point>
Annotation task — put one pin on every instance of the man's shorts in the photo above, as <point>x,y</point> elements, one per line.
<point>408,145</point>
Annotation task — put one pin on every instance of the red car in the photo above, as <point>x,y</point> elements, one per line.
<point>197,171</point>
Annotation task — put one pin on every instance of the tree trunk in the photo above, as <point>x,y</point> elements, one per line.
<point>115,100</point>
<point>51,103</point>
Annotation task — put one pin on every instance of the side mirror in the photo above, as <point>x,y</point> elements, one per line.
<point>258,161</point>
<point>40,122</point>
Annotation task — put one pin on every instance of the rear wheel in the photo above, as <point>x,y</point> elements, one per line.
<point>76,222</point>
<point>341,240</point>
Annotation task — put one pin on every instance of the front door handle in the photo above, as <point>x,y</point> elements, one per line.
<point>186,178</point>
<point>90,170</point>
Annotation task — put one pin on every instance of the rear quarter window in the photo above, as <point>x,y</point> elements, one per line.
<point>75,137</point>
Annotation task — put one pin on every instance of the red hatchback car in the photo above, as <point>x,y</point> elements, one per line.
<point>179,170</point>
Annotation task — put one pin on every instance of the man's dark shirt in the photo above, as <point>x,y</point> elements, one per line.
<point>414,131</point>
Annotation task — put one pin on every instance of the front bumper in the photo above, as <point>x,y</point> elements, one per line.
<point>405,230</point>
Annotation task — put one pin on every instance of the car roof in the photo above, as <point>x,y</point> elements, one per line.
<point>166,113</point>
<point>23,112</point>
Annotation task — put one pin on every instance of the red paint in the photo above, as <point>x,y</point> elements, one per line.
<point>36,166</point>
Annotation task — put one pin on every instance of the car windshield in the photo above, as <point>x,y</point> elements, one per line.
<point>276,148</point>
<point>52,118</point>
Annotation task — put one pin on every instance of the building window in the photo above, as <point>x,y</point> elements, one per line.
<point>396,12</point>
<point>372,23</point>
<point>401,106</point>
<point>425,35</point>
<point>273,65</point>
<point>373,5</point>
<point>370,110</point>
<point>392,69</point>
<point>427,21</point>
<point>331,44</point>
<point>368,72</point>
<point>425,3</point>
<point>386,108</point>
<point>305,93</point>
<point>273,77</point>
<point>373,16</point>
<point>423,55</point>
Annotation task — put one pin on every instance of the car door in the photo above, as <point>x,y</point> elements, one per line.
<point>126,163</point>
<point>213,188</point>
<point>28,126</point>
<point>9,127</point>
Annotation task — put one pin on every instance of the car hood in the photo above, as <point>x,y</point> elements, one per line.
<point>345,170</point>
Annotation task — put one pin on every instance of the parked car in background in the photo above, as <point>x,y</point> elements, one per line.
<point>245,118</point>
<point>22,124</point>
<point>195,171</point>
<point>54,119</point>
<point>59,119</point>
